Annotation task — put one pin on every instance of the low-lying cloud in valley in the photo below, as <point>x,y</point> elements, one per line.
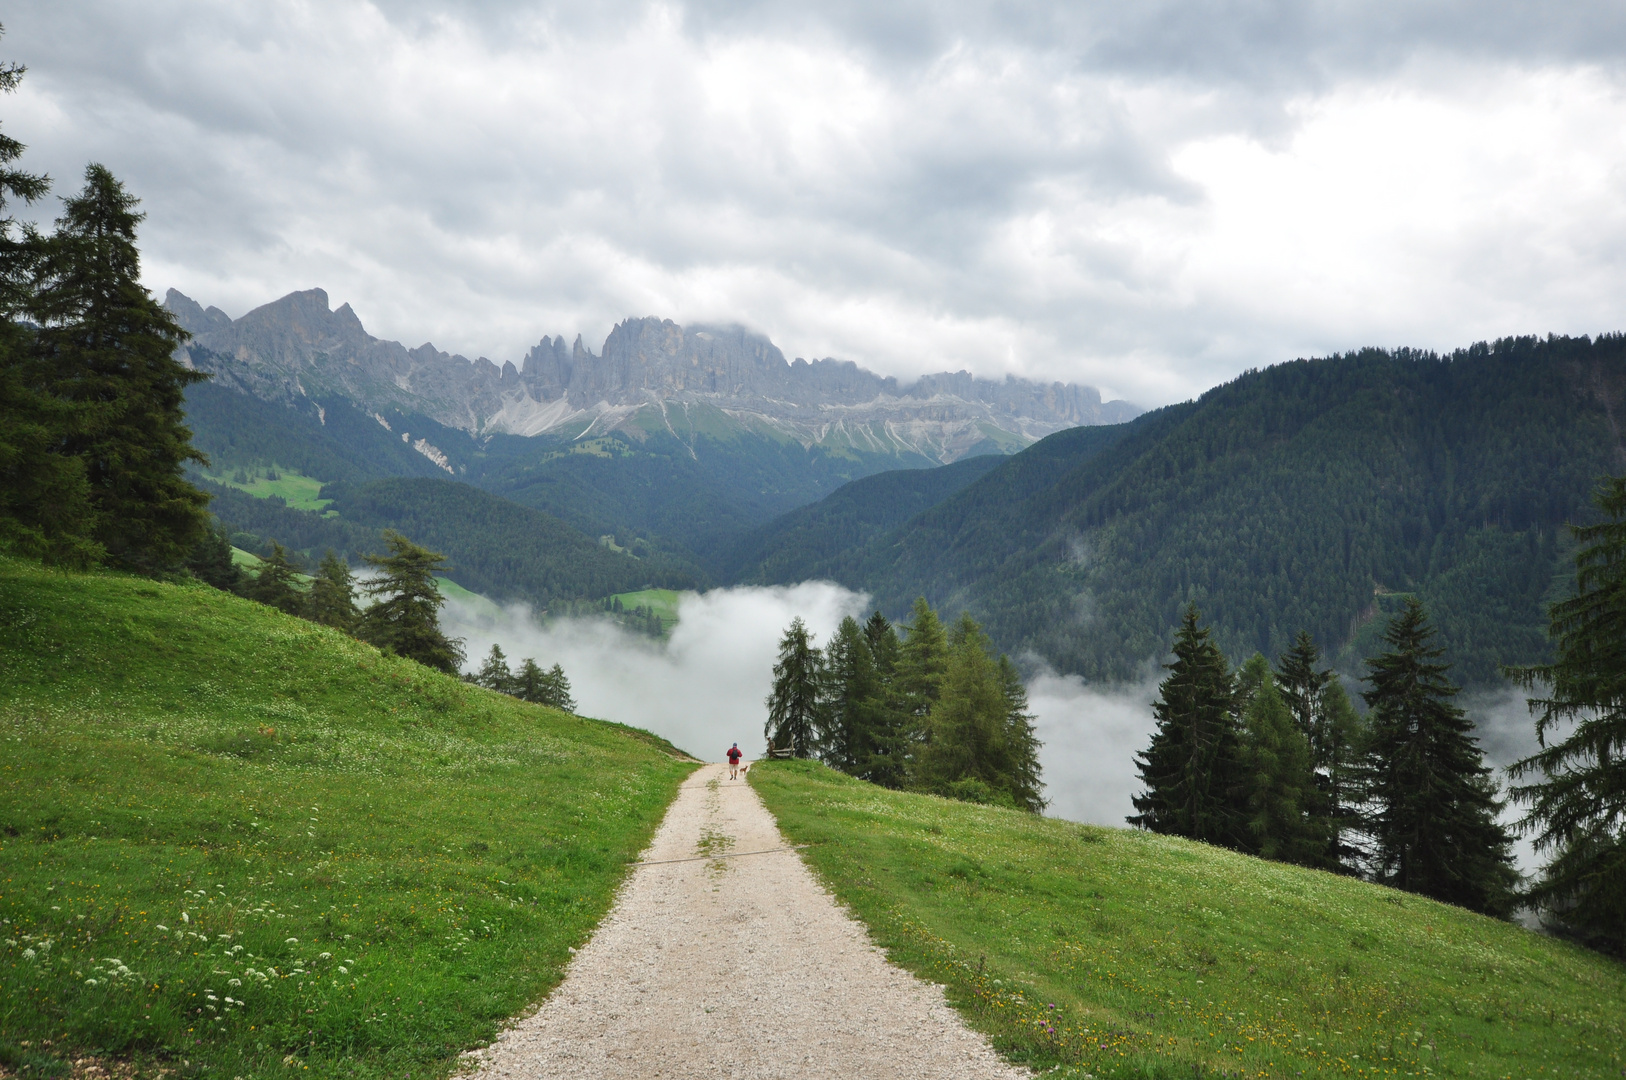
<point>704,687</point>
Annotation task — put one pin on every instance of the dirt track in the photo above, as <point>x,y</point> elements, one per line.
<point>737,967</point>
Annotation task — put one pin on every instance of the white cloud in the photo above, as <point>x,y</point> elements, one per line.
<point>1146,197</point>
<point>703,688</point>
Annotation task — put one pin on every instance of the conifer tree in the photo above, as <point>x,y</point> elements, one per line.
<point>853,708</point>
<point>332,597</point>
<point>109,349</point>
<point>556,690</point>
<point>889,743</point>
<point>1193,769</point>
<point>405,619</point>
<point>530,682</point>
<point>1577,793</point>
<point>918,675</point>
<point>1323,713</point>
<point>1024,784</point>
<point>211,561</point>
<point>1433,806</point>
<point>794,706</point>
<point>494,673</point>
<point>1281,780</point>
<point>273,584</point>
<point>45,508</point>
<point>966,724</point>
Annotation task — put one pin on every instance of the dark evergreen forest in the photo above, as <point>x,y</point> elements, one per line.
<point>1312,495</point>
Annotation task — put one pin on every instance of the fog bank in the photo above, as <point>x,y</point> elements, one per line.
<point>702,688</point>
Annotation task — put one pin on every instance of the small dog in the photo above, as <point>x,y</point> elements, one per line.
<point>743,770</point>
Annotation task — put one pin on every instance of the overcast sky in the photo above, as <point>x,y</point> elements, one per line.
<point>1147,197</point>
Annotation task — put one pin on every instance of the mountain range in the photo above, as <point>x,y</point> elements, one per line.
<point>649,375</point>
<point>1311,495</point>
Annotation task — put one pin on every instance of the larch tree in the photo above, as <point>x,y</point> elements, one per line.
<point>1576,785</point>
<point>794,705</point>
<point>273,584</point>
<point>405,617</point>
<point>332,597</point>
<point>109,348</point>
<point>1432,806</point>
<point>1025,783</point>
<point>1193,769</point>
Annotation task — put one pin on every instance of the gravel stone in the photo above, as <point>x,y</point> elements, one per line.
<point>736,967</point>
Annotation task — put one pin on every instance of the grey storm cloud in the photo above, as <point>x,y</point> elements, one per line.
<point>1146,197</point>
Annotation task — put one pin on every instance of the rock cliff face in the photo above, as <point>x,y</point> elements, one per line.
<point>299,347</point>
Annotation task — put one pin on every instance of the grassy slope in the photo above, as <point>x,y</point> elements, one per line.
<point>202,799</point>
<point>662,602</point>
<point>1166,958</point>
<point>297,490</point>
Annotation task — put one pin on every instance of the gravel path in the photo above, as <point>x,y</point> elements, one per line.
<point>737,967</point>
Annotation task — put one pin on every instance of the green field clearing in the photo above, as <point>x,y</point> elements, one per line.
<point>297,490</point>
<point>662,602</point>
<point>236,844</point>
<point>1111,952</point>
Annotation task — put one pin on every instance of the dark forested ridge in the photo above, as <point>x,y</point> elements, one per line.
<point>827,538</point>
<point>1310,495</point>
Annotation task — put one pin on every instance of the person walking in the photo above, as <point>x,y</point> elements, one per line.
<point>734,756</point>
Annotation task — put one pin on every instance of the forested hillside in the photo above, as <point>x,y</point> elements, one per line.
<point>689,482</point>
<point>1305,496</point>
<point>823,540</point>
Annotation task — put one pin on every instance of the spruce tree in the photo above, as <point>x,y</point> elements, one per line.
<point>494,673</point>
<point>1025,785</point>
<point>1577,797</point>
<point>889,739</point>
<point>1193,770</point>
<point>332,597</point>
<point>794,706</point>
<point>1432,805</point>
<point>853,707</point>
<point>1323,713</point>
<point>556,690</point>
<point>273,584</point>
<point>405,619</point>
<point>109,349</point>
<point>1280,778</point>
<point>45,508</point>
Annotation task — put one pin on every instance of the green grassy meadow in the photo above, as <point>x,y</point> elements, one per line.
<point>297,490</point>
<point>236,844</point>
<point>1112,952</point>
<point>662,602</point>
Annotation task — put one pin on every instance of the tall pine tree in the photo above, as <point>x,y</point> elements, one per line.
<point>1024,782</point>
<point>1577,794</point>
<point>1194,771</point>
<point>1432,805</point>
<point>794,706</point>
<point>890,746</point>
<point>109,349</point>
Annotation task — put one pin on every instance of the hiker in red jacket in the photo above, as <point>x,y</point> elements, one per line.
<point>734,756</point>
